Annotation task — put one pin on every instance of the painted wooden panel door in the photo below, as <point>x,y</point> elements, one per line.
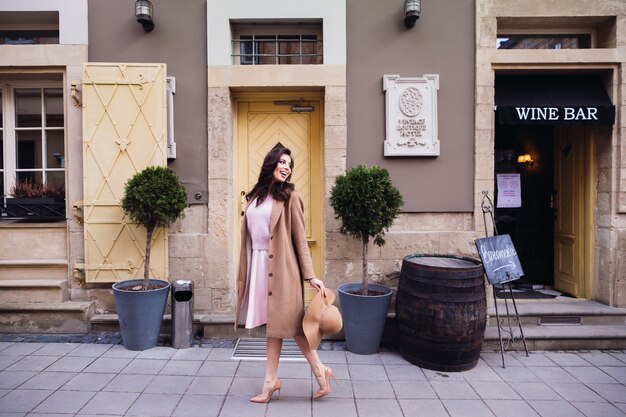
<point>569,201</point>
<point>124,131</point>
<point>263,125</point>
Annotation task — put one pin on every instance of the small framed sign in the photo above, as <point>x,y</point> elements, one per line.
<point>411,115</point>
<point>509,190</point>
<point>499,259</point>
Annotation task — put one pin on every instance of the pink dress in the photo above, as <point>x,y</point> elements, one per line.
<point>258,222</point>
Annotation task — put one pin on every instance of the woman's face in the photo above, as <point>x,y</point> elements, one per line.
<point>283,169</point>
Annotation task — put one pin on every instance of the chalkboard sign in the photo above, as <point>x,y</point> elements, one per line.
<point>499,259</point>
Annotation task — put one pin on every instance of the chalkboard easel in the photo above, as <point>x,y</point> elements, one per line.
<point>499,259</point>
<point>501,266</point>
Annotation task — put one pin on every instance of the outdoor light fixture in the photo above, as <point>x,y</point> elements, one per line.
<point>297,106</point>
<point>525,160</point>
<point>143,13</point>
<point>412,10</point>
<point>300,109</point>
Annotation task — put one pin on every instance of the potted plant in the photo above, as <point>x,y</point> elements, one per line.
<point>36,201</point>
<point>366,202</point>
<point>152,198</point>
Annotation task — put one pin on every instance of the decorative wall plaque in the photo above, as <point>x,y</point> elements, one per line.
<point>411,115</point>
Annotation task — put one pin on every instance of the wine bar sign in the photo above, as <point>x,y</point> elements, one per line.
<point>499,259</point>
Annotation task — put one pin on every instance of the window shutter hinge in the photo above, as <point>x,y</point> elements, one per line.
<point>78,272</point>
<point>74,93</point>
<point>77,210</point>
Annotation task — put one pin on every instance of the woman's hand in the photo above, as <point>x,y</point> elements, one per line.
<point>318,284</point>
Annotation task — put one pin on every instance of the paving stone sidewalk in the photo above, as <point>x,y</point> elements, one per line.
<point>49,376</point>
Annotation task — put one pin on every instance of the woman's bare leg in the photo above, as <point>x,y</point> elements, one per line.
<point>271,382</point>
<point>318,368</point>
<point>274,346</point>
<point>310,354</point>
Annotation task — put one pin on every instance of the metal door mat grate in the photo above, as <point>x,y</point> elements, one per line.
<point>256,350</point>
<point>560,320</point>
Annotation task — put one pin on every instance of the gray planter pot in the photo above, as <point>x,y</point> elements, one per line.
<point>140,313</point>
<point>363,317</point>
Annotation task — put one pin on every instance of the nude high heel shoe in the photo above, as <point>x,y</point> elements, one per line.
<point>324,383</point>
<point>265,397</point>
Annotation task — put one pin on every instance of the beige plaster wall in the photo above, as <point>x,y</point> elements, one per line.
<point>222,196</point>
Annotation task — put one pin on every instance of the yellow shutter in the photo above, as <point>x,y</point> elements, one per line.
<point>124,131</point>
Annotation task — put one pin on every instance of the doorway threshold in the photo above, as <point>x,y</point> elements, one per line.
<point>529,292</point>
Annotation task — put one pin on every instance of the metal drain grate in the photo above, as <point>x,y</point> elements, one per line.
<point>560,321</point>
<point>256,350</point>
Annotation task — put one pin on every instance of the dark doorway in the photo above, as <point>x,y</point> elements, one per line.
<point>531,226</point>
<point>552,118</point>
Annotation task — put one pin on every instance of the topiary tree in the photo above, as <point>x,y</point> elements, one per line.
<point>154,197</point>
<point>366,202</point>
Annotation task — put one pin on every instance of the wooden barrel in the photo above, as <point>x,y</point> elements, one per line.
<point>441,311</point>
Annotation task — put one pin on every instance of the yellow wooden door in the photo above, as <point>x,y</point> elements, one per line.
<point>573,209</point>
<point>124,131</point>
<point>263,125</point>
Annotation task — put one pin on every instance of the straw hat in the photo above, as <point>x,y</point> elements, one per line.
<point>321,318</point>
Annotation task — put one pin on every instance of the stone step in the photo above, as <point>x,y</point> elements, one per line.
<point>33,290</point>
<point>17,269</point>
<point>110,323</point>
<point>574,312</point>
<point>216,326</point>
<point>558,324</point>
<point>208,326</point>
<point>561,320</point>
<point>538,337</point>
<point>559,337</point>
<point>54,317</point>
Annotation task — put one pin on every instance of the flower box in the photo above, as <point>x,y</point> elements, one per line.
<point>34,209</point>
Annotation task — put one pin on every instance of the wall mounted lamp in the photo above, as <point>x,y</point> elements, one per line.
<point>412,10</point>
<point>143,13</point>
<point>525,160</point>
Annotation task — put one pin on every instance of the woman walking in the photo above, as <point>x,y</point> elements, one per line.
<point>274,259</point>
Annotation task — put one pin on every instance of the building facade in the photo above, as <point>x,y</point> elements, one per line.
<point>89,96</point>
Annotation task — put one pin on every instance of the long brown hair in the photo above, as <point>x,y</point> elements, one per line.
<point>265,184</point>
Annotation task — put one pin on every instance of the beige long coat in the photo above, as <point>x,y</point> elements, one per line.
<point>289,263</point>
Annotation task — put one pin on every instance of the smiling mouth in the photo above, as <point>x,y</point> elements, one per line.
<point>284,174</point>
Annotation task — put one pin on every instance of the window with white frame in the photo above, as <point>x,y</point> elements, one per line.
<point>32,135</point>
<point>277,44</point>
